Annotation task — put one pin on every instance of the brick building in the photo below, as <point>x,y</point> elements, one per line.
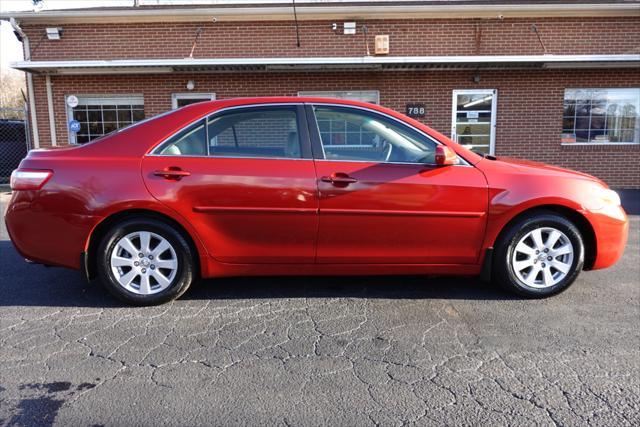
<point>554,81</point>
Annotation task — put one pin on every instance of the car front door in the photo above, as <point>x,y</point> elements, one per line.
<point>245,179</point>
<point>382,198</point>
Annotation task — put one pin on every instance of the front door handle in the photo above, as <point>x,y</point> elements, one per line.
<point>339,179</point>
<point>172,173</point>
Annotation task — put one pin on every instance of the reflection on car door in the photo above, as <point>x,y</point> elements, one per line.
<point>377,210</point>
<point>247,184</point>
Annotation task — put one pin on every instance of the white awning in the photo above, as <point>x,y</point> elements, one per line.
<point>150,66</point>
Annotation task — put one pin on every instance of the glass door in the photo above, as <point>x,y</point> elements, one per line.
<point>474,119</point>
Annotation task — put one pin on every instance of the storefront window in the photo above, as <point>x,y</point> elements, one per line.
<point>371,96</point>
<point>99,116</point>
<point>601,116</point>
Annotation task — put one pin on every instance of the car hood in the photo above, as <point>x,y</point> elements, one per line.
<point>538,168</point>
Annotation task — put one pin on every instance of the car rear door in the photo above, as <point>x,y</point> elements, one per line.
<point>391,205</point>
<point>245,179</point>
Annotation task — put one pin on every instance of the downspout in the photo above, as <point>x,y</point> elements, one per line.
<point>52,120</point>
<point>32,102</point>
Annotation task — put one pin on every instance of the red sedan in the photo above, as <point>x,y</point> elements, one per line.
<point>292,186</point>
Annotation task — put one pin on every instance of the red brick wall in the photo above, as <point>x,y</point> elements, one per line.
<point>597,35</point>
<point>529,113</point>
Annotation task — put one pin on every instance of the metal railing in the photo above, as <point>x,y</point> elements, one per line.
<point>14,140</point>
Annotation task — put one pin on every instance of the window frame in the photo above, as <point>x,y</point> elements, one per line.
<point>101,99</point>
<point>636,129</point>
<point>494,115</point>
<point>205,96</point>
<point>303,132</point>
<point>318,149</point>
<point>193,125</point>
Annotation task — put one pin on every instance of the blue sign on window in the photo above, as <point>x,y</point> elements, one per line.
<point>74,126</point>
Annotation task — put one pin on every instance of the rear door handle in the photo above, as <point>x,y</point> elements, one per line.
<point>339,178</point>
<point>173,173</point>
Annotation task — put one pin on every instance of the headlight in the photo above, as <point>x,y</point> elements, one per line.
<point>610,197</point>
<point>601,197</point>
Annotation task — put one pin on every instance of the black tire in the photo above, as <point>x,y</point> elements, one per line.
<point>184,274</point>
<point>503,269</point>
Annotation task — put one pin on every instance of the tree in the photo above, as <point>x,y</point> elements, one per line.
<point>12,83</point>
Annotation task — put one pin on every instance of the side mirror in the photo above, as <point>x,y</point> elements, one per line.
<point>445,156</point>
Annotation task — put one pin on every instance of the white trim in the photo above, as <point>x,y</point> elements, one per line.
<point>327,10</point>
<point>494,109</point>
<point>190,95</point>
<point>583,144</point>
<point>601,64</point>
<point>52,119</point>
<point>100,98</point>
<point>283,63</point>
<point>32,101</point>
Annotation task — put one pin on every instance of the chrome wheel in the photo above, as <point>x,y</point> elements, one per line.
<point>144,263</point>
<point>542,258</point>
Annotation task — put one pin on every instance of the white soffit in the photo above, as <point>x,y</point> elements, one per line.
<point>151,66</point>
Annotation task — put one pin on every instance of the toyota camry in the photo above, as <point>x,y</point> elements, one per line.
<point>299,186</point>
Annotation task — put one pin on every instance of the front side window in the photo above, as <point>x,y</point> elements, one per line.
<point>100,115</point>
<point>255,132</point>
<point>359,135</point>
<point>601,116</point>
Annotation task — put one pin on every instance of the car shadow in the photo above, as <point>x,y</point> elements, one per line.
<point>24,284</point>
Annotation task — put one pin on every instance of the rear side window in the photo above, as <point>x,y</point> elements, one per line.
<point>255,132</point>
<point>191,141</point>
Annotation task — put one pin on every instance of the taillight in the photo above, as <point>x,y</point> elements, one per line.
<point>29,179</point>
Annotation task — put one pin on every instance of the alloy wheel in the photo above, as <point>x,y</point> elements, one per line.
<point>144,263</point>
<point>542,257</point>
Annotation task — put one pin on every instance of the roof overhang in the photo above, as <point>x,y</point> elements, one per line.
<point>260,11</point>
<point>154,66</point>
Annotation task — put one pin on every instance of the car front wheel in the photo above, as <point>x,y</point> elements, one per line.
<point>539,255</point>
<point>145,262</point>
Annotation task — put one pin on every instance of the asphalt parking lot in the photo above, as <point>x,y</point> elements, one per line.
<point>320,351</point>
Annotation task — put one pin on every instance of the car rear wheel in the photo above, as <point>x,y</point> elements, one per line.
<point>145,262</point>
<point>539,255</point>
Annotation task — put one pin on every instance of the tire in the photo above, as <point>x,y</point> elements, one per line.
<point>163,273</point>
<point>538,265</point>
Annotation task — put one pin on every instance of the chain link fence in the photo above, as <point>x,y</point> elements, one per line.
<point>14,140</point>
